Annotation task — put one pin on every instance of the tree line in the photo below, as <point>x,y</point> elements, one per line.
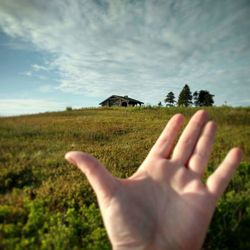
<point>186,98</point>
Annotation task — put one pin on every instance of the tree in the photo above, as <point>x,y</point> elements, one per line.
<point>68,108</point>
<point>159,104</point>
<point>185,97</point>
<point>195,98</point>
<point>170,99</point>
<point>204,98</point>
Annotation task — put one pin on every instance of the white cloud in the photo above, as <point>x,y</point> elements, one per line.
<point>27,106</point>
<point>139,48</point>
<point>37,67</point>
<point>46,88</point>
<point>27,73</point>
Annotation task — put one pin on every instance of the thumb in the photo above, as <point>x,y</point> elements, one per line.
<point>99,178</point>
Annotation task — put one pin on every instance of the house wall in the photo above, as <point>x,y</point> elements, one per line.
<point>119,102</point>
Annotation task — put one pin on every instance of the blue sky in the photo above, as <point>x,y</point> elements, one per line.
<point>76,53</point>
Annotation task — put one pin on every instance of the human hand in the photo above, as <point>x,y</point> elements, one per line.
<point>164,204</point>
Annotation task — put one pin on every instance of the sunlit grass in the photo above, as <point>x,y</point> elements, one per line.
<point>34,174</point>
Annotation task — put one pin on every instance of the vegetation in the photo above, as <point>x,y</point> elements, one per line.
<point>185,97</point>
<point>68,108</point>
<point>47,204</point>
<point>203,98</point>
<point>159,104</point>
<point>170,99</point>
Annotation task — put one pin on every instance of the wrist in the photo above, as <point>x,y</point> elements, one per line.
<point>133,247</point>
<point>129,247</point>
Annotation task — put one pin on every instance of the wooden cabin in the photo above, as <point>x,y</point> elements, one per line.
<point>121,101</point>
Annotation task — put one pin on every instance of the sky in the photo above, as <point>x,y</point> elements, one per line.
<point>59,53</point>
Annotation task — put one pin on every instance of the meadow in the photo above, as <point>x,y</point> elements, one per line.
<point>45,203</point>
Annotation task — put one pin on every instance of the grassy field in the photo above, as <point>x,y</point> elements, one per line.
<point>47,204</point>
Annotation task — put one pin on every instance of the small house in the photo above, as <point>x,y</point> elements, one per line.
<point>122,101</point>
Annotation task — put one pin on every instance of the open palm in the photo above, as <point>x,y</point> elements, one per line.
<point>164,204</point>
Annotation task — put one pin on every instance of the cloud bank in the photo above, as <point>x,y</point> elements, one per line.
<point>139,48</point>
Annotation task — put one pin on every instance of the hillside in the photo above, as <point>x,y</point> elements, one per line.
<point>47,204</point>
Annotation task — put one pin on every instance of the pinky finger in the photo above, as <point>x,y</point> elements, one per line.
<point>219,180</point>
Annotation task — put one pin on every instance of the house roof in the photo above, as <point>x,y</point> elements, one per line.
<point>121,97</point>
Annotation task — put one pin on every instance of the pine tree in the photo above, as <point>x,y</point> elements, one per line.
<point>195,98</point>
<point>185,97</point>
<point>170,99</point>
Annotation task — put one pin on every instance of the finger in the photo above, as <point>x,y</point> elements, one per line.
<point>189,137</point>
<point>200,156</point>
<point>99,178</point>
<point>165,142</point>
<point>219,180</point>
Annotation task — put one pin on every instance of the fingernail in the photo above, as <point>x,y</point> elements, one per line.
<point>69,158</point>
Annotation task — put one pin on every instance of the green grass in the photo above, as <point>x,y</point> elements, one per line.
<point>47,204</point>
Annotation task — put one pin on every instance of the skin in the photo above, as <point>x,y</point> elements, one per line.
<point>164,204</point>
